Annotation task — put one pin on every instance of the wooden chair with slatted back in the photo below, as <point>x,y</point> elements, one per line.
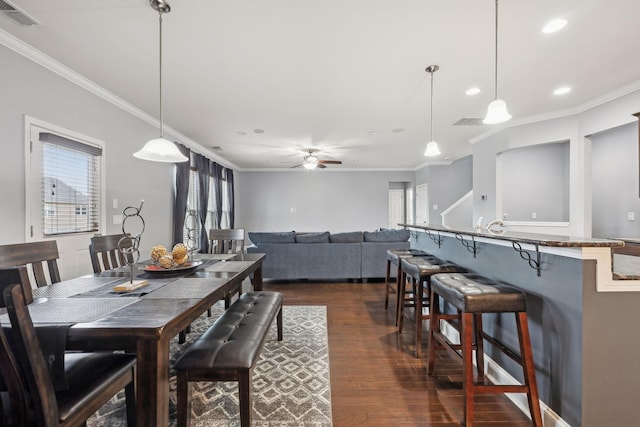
<point>92,378</point>
<point>104,252</point>
<point>35,255</point>
<point>226,241</point>
<point>10,276</point>
<point>13,409</point>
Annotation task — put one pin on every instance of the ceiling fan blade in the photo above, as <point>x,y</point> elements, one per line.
<point>330,162</point>
<point>296,166</point>
<point>321,166</point>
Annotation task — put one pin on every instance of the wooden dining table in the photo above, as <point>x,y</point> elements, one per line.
<point>145,320</point>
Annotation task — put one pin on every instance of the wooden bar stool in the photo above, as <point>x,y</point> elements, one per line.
<point>393,257</point>
<point>420,270</point>
<point>474,295</point>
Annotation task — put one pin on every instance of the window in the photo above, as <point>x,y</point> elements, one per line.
<point>70,184</point>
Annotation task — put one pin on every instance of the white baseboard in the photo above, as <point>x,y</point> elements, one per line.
<point>497,375</point>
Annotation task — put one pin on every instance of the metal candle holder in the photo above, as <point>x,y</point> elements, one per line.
<point>129,245</point>
<point>191,224</point>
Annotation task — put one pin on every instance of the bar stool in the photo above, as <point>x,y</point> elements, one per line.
<point>474,295</point>
<point>420,270</point>
<point>393,257</point>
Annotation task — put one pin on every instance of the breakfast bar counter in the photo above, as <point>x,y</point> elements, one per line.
<point>583,320</point>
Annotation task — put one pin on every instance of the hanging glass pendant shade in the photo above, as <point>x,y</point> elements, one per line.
<point>160,149</point>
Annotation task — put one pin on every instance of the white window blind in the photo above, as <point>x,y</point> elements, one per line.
<point>70,185</point>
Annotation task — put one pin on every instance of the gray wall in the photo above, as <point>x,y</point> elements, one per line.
<point>323,200</point>
<point>447,184</point>
<point>536,179</point>
<point>30,89</point>
<point>615,182</point>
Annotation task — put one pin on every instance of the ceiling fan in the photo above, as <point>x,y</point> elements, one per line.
<point>311,161</point>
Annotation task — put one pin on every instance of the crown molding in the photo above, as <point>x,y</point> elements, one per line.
<point>45,61</point>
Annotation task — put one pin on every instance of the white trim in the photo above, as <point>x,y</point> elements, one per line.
<point>455,205</point>
<point>604,276</point>
<point>536,224</point>
<point>28,123</point>
<point>67,73</point>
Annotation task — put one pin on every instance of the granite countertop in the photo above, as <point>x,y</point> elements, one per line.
<point>520,237</point>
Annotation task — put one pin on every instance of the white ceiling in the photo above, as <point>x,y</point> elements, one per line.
<point>326,74</point>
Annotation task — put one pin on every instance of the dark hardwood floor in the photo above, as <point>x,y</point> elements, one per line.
<point>375,378</point>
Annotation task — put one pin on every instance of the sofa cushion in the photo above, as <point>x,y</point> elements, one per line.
<point>272,237</point>
<point>387,236</point>
<point>313,237</point>
<point>350,237</point>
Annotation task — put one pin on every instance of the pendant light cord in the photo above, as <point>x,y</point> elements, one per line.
<point>160,80</point>
<point>431,109</point>
<point>496,56</point>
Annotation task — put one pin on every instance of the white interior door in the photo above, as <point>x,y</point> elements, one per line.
<point>73,248</point>
<point>422,204</point>
<point>396,208</point>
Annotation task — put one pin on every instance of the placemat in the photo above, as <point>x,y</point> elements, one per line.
<point>189,287</point>
<point>73,310</point>
<point>107,291</point>
<point>71,287</point>
<point>230,266</point>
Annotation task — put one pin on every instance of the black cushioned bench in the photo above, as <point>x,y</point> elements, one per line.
<point>229,350</point>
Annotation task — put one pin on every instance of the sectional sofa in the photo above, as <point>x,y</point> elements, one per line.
<point>353,255</point>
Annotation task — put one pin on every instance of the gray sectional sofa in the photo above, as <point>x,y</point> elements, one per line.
<point>326,256</point>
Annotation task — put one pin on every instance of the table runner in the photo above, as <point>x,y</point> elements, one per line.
<point>72,287</point>
<point>72,310</point>
<point>230,266</point>
<point>188,287</point>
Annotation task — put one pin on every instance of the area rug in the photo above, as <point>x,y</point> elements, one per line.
<point>290,381</point>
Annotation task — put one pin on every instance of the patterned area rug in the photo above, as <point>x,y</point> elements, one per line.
<point>290,381</point>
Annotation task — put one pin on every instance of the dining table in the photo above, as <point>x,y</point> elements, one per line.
<point>144,320</point>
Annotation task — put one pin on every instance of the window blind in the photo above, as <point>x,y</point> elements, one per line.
<point>70,185</point>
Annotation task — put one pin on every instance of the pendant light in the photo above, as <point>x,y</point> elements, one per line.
<point>497,110</point>
<point>160,149</point>
<point>432,147</point>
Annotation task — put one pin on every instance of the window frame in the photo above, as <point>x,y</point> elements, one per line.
<point>30,205</point>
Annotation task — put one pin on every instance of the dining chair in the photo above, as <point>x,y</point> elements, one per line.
<point>10,276</point>
<point>35,255</point>
<point>225,241</point>
<point>13,412</point>
<point>92,379</point>
<point>105,254</point>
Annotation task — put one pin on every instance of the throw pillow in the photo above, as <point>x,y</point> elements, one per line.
<point>387,236</point>
<point>272,237</point>
<point>313,237</point>
<point>350,237</point>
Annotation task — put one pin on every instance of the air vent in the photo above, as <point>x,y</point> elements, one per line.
<point>17,15</point>
<point>469,121</point>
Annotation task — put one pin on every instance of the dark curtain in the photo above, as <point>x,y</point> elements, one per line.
<point>181,195</point>
<point>230,196</point>
<point>217,182</point>
<point>201,164</point>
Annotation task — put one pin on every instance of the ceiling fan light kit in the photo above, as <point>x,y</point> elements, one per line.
<point>497,109</point>
<point>160,149</point>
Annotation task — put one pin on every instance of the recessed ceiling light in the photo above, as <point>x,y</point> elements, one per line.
<point>373,132</point>
<point>472,91</point>
<point>562,90</point>
<point>258,131</point>
<point>398,130</point>
<point>554,25</point>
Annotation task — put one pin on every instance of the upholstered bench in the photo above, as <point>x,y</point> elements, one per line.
<point>474,295</point>
<point>229,350</point>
